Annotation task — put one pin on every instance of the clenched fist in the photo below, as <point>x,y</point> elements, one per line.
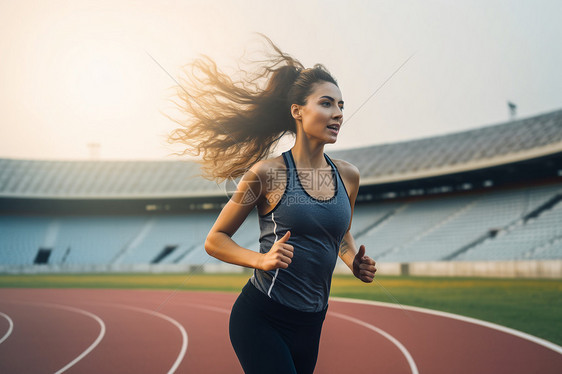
<point>279,256</point>
<point>364,266</point>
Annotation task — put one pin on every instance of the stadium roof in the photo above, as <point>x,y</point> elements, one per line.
<point>480,148</point>
<point>484,147</point>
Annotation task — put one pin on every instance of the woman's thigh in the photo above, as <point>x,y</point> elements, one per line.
<point>303,345</point>
<point>259,346</point>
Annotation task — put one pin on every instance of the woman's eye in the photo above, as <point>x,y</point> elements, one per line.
<point>326,104</point>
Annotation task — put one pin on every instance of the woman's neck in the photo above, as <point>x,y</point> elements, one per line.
<point>308,154</point>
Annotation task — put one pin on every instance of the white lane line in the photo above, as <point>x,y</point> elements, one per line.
<point>10,329</point>
<point>490,325</point>
<point>183,349</point>
<point>400,346</point>
<point>86,313</point>
<point>93,345</point>
<point>397,343</point>
<point>76,310</point>
<point>392,339</point>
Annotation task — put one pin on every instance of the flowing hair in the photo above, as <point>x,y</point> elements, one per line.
<point>234,123</point>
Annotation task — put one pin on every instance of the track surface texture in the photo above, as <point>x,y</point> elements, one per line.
<point>154,331</point>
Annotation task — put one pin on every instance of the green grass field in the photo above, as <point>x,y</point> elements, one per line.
<point>529,305</point>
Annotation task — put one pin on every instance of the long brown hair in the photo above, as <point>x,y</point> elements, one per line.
<point>234,123</point>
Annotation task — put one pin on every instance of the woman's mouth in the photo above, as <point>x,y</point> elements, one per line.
<point>334,129</point>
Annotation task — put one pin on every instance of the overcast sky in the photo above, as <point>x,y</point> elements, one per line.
<point>77,72</point>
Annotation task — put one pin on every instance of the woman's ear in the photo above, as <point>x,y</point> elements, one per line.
<point>296,111</point>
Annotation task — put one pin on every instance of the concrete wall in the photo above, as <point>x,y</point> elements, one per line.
<point>496,269</point>
<point>142,268</point>
<point>499,269</point>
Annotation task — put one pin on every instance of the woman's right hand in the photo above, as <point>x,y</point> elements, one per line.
<point>279,256</point>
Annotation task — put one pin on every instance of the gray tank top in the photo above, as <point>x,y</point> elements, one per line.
<point>317,228</point>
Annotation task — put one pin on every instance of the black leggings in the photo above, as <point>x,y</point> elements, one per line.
<point>269,337</point>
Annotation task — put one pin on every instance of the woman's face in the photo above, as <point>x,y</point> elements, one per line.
<point>322,115</point>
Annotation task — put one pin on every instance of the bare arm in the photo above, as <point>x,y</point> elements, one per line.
<point>363,267</point>
<point>219,243</point>
<point>348,250</point>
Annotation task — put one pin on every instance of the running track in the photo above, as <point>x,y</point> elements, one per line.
<point>137,331</point>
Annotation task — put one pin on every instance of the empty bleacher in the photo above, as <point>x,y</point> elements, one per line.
<point>515,224</point>
<point>496,224</point>
<point>21,238</point>
<point>92,240</point>
<point>184,233</point>
<point>454,227</point>
<point>531,239</point>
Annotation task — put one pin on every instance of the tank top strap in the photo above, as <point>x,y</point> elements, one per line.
<point>330,162</point>
<point>332,165</point>
<point>337,172</point>
<point>288,160</point>
<point>291,168</point>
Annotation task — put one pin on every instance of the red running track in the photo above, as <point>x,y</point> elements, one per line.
<point>136,331</point>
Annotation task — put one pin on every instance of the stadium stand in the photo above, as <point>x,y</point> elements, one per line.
<point>180,234</point>
<point>21,238</point>
<point>488,194</point>
<point>476,227</point>
<point>534,238</point>
<point>452,228</point>
<point>468,150</point>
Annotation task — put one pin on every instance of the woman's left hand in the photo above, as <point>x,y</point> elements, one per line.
<point>364,266</point>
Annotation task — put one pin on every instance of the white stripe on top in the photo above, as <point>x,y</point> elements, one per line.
<point>276,270</point>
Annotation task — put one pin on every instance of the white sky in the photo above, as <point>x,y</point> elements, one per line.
<point>77,72</point>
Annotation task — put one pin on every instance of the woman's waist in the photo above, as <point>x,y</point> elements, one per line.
<point>281,309</point>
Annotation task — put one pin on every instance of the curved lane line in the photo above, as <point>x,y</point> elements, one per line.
<point>183,349</point>
<point>507,330</point>
<point>86,313</point>
<point>10,329</point>
<point>397,343</point>
<point>392,339</point>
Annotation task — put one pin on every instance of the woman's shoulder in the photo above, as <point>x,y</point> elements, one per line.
<point>269,169</point>
<point>347,169</point>
<point>263,167</point>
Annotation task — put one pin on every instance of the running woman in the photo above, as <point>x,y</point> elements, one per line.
<point>304,200</point>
